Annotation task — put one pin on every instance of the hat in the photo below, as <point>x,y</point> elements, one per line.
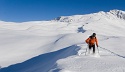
<point>94,34</point>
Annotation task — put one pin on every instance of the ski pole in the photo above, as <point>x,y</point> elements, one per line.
<point>86,51</point>
<point>98,50</point>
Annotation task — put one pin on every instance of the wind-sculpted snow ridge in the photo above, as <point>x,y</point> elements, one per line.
<point>21,46</point>
<point>43,62</point>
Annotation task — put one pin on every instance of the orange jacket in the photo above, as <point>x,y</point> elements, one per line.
<point>92,41</point>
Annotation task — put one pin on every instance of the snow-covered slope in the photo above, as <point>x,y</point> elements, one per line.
<point>59,45</point>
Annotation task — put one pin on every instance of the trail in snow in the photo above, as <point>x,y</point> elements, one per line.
<point>113,52</point>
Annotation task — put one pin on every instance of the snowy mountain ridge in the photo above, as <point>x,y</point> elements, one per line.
<point>76,18</point>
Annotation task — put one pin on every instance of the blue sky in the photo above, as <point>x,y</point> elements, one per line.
<point>37,10</point>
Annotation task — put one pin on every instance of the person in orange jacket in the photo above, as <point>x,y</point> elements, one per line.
<point>91,42</point>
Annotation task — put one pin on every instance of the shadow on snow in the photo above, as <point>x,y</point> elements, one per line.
<point>42,63</point>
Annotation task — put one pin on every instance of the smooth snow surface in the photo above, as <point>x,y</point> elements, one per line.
<point>59,45</point>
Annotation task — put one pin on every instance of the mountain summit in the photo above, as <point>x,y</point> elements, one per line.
<point>118,13</point>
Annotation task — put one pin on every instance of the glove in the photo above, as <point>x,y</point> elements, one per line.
<point>97,46</point>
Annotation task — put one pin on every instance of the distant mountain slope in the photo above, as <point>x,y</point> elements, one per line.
<point>114,14</point>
